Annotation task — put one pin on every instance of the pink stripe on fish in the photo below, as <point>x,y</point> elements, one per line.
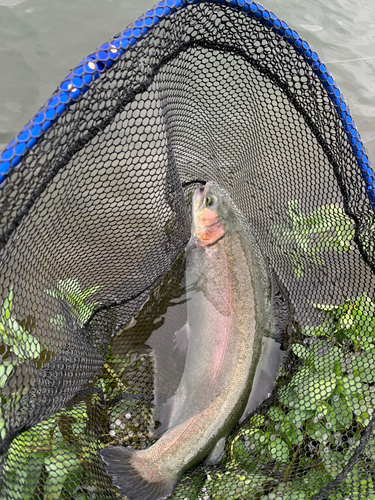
<point>223,336</point>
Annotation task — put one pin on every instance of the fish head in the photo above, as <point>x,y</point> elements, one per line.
<point>209,214</point>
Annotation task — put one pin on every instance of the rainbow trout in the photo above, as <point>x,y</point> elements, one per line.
<point>228,314</point>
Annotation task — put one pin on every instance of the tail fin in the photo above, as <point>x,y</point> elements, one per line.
<point>129,470</point>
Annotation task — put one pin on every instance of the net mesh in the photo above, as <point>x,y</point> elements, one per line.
<point>96,215</point>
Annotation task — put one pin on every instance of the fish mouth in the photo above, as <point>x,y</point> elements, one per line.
<point>199,192</point>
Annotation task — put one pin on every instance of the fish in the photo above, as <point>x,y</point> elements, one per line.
<point>229,311</point>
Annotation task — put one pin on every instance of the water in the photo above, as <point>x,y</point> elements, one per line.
<point>40,41</point>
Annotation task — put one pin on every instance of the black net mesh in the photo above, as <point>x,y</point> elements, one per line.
<point>96,215</point>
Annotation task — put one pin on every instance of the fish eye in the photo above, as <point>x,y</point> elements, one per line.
<point>210,201</point>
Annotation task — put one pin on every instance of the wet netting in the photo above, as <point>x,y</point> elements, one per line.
<point>96,213</point>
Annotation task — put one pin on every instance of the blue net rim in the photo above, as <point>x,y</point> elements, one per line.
<point>77,83</point>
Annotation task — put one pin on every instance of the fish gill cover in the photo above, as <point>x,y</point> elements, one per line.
<point>95,195</point>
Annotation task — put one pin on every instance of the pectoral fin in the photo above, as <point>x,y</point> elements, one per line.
<point>181,341</point>
<point>213,292</point>
<point>269,363</point>
<point>217,453</point>
<point>166,414</point>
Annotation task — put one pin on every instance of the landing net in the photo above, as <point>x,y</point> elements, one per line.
<point>95,215</point>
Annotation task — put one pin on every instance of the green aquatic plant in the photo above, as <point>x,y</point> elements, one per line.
<point>54,459</point>
<point>320,411</point>
<point>57,458</point>
<point>353,321</point>
<point>70,292</point>
<point>19,347</point>
<point>305,238</point>
<point>18,341</point>
<point>314,424</point>
<point>127,383</point>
